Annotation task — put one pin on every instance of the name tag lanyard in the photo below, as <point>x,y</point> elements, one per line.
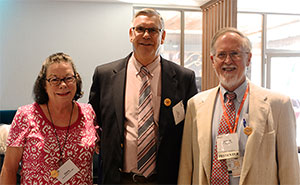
<point>238,114</point>
<point>55,173</point>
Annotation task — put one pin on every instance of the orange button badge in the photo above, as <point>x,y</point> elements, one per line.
<point>167,102</point>
<point>248,130</point>
<point>54,173</point>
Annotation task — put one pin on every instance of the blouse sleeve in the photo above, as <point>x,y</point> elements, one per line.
<point>92,116</point>
<point>96,125</point>
<point>19,129</point>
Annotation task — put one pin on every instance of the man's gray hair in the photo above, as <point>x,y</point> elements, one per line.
<point>150,12</point>
<point>246,42</point>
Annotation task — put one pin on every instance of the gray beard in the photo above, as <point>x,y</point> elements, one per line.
<point>230,83</point>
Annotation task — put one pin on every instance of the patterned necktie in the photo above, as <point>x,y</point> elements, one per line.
<point>219,174</point>
<point>146,157</point>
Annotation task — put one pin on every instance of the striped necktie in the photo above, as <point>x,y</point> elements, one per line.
<point>219,174</point>
<point>146,157</point>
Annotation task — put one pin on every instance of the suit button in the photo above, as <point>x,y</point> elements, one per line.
<point>120,169</point>
<point>121,145</point>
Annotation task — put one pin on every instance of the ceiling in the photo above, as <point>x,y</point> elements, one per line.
<point>185,3</point>
<point>169,2</point>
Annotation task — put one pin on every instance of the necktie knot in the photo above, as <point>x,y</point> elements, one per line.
<point>145,72</point>
<point>230,96</point>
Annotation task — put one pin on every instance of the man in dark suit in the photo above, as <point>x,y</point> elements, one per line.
<point>115,96</point>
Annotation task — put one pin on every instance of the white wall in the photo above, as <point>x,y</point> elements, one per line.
<point>91,33</point>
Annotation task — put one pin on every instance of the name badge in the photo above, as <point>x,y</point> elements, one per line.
<point>178,112</point>
<point>66,171</point>
<point>234,166</point>
<point>227,146</point>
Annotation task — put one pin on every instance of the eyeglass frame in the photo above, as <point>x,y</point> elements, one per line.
<point>61,79</point>
<point>239,54</point>
<point>151,31</point>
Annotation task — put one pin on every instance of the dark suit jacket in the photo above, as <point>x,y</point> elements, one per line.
<point>107,98</point>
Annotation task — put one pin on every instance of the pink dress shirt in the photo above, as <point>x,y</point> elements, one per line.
<point>133,84</point>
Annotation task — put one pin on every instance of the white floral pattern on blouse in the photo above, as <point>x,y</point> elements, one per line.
<point>33,131</point>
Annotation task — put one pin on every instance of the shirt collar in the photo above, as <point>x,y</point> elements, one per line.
<point>150,66</point>
<point>240,91</point>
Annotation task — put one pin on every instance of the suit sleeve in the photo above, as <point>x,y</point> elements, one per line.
<point>94,98</point>
<point>287,152</point>
<point>192,88</point>
<point>186,159</point>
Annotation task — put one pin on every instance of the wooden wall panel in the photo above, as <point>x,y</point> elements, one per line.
<point>217,14</point>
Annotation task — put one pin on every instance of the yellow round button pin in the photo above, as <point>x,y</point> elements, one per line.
<point>54,173</point>
<point>248,130</point>
<point>167,102</point>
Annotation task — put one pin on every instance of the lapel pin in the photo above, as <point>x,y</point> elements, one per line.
<point>167,102</point>
<point>248,130</point>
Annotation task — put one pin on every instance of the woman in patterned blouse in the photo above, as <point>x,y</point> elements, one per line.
<point>54,138</point>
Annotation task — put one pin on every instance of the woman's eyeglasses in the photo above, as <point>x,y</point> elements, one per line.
<point>57,81</point>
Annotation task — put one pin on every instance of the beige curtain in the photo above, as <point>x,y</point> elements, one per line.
<point>217,14</point>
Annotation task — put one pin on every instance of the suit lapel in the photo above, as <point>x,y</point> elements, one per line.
<point>118,83</point>
<point>204,137</point>
<point>258,112</point>
<point>168,90</point>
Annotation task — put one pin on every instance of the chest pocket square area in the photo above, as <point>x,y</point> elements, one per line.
<point>178,112</point>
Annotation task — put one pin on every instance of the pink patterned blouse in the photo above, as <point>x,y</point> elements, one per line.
<point>33,131</point>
